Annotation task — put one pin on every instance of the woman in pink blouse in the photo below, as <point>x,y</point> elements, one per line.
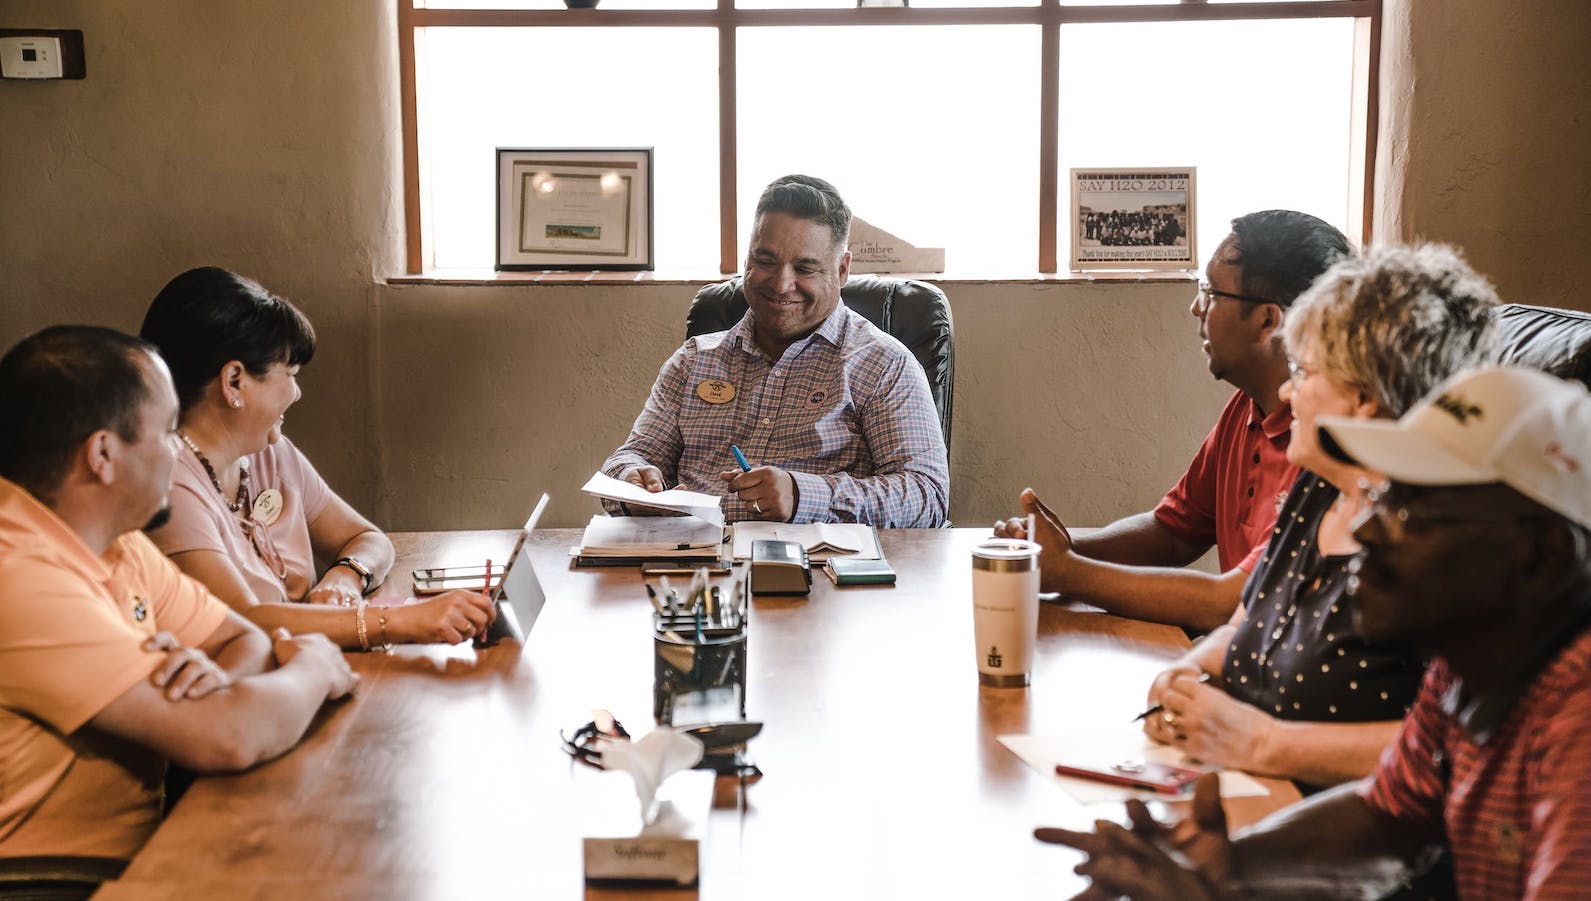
<point>248,511</point>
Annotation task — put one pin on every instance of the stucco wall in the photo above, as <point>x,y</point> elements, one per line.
<point>1096,396</point>
<point>1487,139</point>
<point>264,137</point>
<point>257,136</point>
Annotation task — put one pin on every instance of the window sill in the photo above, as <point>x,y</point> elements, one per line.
<point>685,277</point>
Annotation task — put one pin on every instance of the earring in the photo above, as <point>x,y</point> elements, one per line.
<point>236,403</point>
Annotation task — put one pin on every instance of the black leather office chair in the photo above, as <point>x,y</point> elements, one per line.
<point>55,878</point>
<point>1546,338</point>
<point>915,313</point>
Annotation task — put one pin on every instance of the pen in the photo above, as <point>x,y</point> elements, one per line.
<point>1203,678</point>
<point>486,592</point>
<point>740,458</point>
<point>651,595</point>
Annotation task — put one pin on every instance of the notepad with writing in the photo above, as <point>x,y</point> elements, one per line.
<point>822,540</point>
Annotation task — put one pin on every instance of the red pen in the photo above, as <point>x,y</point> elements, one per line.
<point>486,592</point>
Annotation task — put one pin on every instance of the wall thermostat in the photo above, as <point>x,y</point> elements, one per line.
<point>41,54</point>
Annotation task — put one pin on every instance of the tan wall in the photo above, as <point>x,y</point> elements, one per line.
<point>1096,396</point>
<point>1487,139</point>
<point>257,136</point>
<point>264,137</point>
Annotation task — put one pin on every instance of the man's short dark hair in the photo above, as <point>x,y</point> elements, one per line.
<point>1282,252</point>
<point>806,197</point>
<point>208,317</point>
<point>61,385</point>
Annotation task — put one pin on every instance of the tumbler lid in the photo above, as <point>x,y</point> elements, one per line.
<point>1005,555</point>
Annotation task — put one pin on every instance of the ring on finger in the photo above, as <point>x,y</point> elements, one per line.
<point>756,508</point>
<point>1169,718</point>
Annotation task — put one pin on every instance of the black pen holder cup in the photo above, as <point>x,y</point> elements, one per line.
<point>698,676</point>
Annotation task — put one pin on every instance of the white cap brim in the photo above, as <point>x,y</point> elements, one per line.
<point>1400,453</point>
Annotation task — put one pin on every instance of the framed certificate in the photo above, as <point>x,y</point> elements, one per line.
<point>1133,218</point>
<point>574,209</point>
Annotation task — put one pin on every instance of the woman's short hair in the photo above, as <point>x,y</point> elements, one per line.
<point>208,317</point>
<point>1395,322</point>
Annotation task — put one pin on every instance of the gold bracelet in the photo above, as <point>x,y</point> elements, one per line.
<point>386,644</point>
<point>359,626</point>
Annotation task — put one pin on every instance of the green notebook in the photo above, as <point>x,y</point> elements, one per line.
<point>845,571</point>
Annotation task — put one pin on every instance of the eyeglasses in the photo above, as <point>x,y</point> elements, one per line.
<point>587,742</point>
<point>1207,295</point>
<point>1298,372</point>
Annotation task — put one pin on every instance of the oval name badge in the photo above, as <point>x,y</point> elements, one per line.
<point>268,506</point>
<point>716,391</point>
<point>816,398</point>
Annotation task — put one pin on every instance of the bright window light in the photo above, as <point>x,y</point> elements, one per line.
<point>1263,109</point>
<point>486,88</point>
<point>935,140</point>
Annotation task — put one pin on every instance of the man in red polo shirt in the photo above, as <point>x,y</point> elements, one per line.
<point>1237,481</point>
<point>1479,552</point>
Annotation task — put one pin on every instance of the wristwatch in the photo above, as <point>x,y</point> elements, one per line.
<point>365,576</point>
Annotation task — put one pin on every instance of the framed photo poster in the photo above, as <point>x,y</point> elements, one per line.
<point>574,209</point>
<point>1138,218</point>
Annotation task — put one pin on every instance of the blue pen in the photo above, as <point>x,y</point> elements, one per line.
<point>740,458</point>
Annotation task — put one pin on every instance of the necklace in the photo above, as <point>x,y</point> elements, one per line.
<point>237,504</point>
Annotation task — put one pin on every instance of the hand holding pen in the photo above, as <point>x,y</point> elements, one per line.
<point>767,491</point>
<point>1159,709</point>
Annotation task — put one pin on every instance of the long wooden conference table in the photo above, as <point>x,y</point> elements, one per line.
<point>443,777</point>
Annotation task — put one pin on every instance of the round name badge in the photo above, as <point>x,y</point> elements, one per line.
<point>816,398</point>
<point>268,506</point>
<point>716,391</point>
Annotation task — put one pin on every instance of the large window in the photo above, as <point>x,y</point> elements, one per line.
<point>951,123</point>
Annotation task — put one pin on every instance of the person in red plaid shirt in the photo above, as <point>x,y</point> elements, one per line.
<point>1478,551</point>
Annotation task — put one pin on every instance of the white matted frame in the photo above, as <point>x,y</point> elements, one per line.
<point>1134,218</point>
<point>574,208</point>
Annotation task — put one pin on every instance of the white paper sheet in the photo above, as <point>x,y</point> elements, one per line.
<point>1043,752</point>
<point>692,503</point>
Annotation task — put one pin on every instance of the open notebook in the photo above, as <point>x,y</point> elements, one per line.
<point>821,539</point>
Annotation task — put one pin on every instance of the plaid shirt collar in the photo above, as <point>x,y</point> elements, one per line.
<point>831,329</point>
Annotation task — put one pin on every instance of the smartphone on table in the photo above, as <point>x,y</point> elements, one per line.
<point>1133,772</point>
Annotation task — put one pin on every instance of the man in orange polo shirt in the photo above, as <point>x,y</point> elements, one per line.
<point>111,661</point>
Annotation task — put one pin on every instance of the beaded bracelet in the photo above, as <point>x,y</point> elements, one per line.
<point>359,626</point>
<point>386,643</point>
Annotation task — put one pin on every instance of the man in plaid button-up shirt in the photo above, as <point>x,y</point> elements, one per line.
<point>834,414</point>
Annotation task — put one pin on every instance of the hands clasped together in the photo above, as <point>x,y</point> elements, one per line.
<point>1205,722</point>
<point>1183,861</point>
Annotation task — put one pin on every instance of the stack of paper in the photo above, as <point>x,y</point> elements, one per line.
<point>821,539</point>
<point>624,539</point>
<point>693,503</point>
